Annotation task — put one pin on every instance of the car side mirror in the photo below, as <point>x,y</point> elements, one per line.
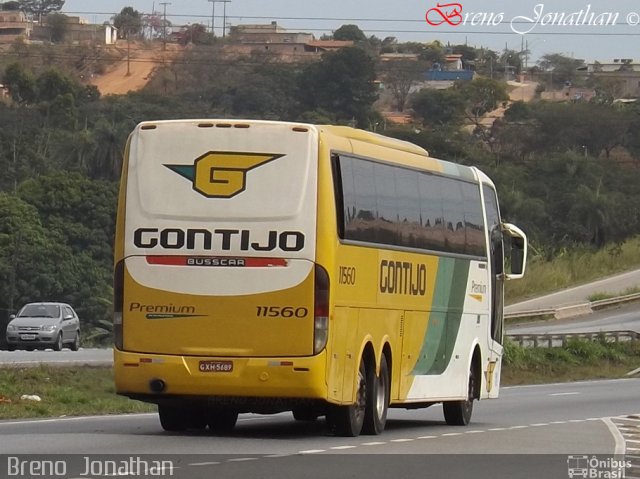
<point>12,316</point>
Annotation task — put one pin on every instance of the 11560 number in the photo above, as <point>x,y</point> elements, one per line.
<point>281,312</point>
<point>347,275</point>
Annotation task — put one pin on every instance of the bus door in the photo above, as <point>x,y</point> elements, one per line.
<point>496,270</point>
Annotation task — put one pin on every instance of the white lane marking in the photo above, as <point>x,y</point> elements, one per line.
<point>374,443</point>
<point>475,431</point>
<point>78,418</point>
<point>539,424</point>
<point>518,427</point>
<point>402,440</point>
<point>427,437</point>
<point>617,436</point>
<point>343,447</point>
<point>452,434</point>
<point>312,451</point>
<point>242,459</point>
<point>197,464</point>
<point>566,394</point>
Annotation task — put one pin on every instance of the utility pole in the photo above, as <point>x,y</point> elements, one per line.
<point>224,17</point>
<point>164,25</point>
<point>213,16</point>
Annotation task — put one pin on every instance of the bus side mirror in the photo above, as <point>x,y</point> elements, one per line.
<point>516,238</point>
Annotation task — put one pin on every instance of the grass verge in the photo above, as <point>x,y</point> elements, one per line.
<point>89,390</point>
<point>572,267</point>
<point>63,392</point>
<point>578,360</point>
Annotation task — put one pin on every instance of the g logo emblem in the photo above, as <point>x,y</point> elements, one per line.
<point>222,174</point>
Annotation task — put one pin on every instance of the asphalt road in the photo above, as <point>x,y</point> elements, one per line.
<point>624,318</point>
<point>66,357</point>
<point>530,428</point>
<point>614,285</point>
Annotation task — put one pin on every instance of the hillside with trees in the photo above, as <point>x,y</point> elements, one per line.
<point>568,173</point>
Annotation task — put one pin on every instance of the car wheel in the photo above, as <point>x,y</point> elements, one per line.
<point>57,346</point>
<point>11,347</point>
<point>76,342</point>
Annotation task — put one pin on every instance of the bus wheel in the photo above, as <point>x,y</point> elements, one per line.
<point>305,414</point>
<point>377,399</point>
<point>172,418</point>
<point>222,421</point>
<point>458,413</point>
<point>348,420</point>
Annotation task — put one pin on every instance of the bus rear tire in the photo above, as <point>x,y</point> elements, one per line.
<point>375,417</point>
<point>458,413</point>
<point>305,414</point>
<point>348,421</point>
<point>172,418</point>
<point>222,421</point>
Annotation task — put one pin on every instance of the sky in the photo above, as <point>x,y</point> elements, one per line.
<point>599,30</point>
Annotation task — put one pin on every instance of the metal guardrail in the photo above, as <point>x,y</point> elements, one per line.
<point>574,310</point>
<point>556,340</point>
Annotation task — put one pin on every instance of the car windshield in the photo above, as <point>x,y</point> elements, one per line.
<point>40,311</point>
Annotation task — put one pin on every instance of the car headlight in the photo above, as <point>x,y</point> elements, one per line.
<point>11,327</point>
<point>48,327</point>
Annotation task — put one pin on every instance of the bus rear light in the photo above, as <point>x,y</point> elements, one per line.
<point>320,333</point>
<point>118,303</point>
<point>118,339</point>
<point>321,310</point>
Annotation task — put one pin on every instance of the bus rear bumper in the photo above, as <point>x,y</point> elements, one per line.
<point>162,378</point>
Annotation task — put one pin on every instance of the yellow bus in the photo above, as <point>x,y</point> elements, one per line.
<point>266,266</point>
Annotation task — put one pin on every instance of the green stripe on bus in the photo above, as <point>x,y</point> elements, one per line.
<point>449,295</point>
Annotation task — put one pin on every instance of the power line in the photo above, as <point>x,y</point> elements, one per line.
<point>504,23</point>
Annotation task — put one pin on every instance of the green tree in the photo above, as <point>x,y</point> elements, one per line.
<point>510,61</point>
<point>78,216</point>
<point>482,95</point>
<point>399,76</point>
<point>128,22</point>
<point>432,53</point>
<point>349,32</point>
<point>53,83</point>
<point>33,264</point>
<point>197,34</point>
<point>559,68</point>
<point>10,6</point>
<point>438,107</point>
<point>58,25</point>
<point>21,83</point>
<point>342,83</point>
<point>39,8</point>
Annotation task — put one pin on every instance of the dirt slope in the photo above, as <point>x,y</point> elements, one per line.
<point>132,73</point>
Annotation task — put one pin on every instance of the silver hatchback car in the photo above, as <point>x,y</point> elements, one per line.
<point>44,325</point>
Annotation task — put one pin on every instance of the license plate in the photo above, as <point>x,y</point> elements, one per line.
<point>216,366</point>
<point>28,337</point>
